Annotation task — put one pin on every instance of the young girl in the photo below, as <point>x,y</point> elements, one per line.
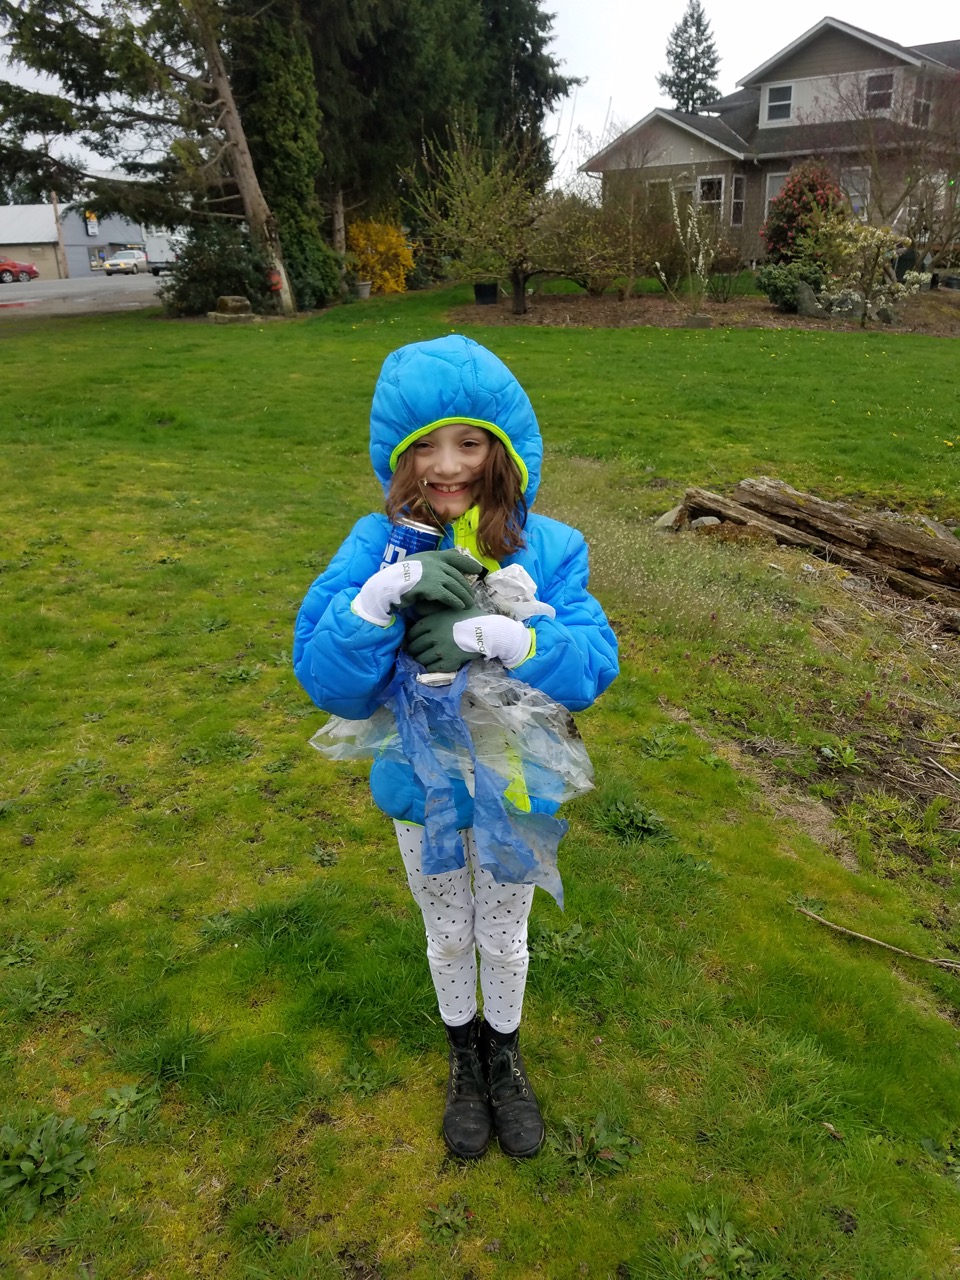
<point>454,441</point>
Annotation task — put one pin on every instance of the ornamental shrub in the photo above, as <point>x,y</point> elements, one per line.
<point>809,192</point>
<point>779,281</point>
<point>313,269</point>
<point>215,260</point>
<point>383,255</point>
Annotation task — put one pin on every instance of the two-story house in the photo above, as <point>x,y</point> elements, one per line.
<point>885,117</point>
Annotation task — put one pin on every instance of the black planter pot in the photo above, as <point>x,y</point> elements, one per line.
<point>485,293</point>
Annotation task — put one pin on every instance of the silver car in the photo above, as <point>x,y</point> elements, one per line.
<point>128,262</point>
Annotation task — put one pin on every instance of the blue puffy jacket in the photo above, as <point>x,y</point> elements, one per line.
<point>345,663</point>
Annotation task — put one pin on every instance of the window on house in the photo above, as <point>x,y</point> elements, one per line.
<point>922,99</point>
<point>779,102</point>
<point>738,200</point>
<point>856,184</point>
<point>710,191</point>
<point>880,92</point>
<point>775,183</point>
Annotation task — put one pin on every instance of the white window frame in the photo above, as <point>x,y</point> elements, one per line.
<point>856,185</point>
<point>772,195</point>
<point>774,113</point>
<point>882,98</point>
<point>922,100</point>
<point>710,177</point>
<point>738,201</point>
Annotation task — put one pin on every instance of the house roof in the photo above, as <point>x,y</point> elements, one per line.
<point>732,122</point>
<point>825,139</point>
<point>885,46</point>
<point>947,52</point>
<point>27,224</point>
<point>707,128</point>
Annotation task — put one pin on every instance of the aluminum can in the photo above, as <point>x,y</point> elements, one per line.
<point>407,538</point>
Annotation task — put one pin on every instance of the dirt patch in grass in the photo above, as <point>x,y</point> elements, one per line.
<point>936,313</point>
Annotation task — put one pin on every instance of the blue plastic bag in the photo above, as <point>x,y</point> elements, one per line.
<point>505,739</point>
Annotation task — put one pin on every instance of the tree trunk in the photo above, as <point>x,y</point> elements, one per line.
<point>339,222</point>
<point>260,220</point>
<point>518,285</point>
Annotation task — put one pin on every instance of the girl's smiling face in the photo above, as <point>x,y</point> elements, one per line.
<point>448,463</point>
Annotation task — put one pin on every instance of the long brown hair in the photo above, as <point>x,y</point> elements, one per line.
<point>503,508</point>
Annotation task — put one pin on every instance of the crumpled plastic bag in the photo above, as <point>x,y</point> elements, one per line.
<point>505,739</point>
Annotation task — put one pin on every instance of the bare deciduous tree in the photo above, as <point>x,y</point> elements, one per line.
<point>893,139</point>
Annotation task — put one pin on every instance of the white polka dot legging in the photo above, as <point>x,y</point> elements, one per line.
<point>462,918</point>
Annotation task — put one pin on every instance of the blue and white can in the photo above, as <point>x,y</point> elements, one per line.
<point>407,538</point>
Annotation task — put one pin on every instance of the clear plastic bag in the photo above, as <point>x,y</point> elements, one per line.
<point>510,743</point>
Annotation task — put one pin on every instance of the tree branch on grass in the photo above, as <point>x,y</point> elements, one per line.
<point>951,966</point>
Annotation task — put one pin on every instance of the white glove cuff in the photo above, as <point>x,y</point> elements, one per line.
<point>493,636</point>
<point>383,590</point>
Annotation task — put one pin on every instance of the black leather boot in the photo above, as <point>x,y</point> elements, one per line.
<point>467,1122</point>
<point>516,1113</point>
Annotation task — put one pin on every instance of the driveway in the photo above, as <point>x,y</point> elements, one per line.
<point>92,293</point>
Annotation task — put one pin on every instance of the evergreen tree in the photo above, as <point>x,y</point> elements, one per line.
<point>693,59</point>
<point>149,91</point>
<point>273,79</point>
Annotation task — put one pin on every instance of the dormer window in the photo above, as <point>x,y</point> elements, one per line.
<point>880,92</point>
<point>779,102</point>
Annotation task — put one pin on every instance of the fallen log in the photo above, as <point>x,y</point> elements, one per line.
<point>922,552</point>
<point>701,502</point>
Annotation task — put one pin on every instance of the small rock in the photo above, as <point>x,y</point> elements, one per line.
<point>670,520</point>
<point>856,582</point>
<point>232,304</point>
<point>886,315</point>
<point>704,522</point>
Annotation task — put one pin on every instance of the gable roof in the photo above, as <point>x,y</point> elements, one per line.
<point>706,128</point>
<point>867,37</point>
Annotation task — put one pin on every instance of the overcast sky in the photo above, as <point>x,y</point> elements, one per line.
<point>620,46</point>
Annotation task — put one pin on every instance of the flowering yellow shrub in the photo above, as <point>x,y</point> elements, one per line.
<point>383,255</point>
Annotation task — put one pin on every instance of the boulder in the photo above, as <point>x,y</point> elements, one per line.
<point>807,304</point>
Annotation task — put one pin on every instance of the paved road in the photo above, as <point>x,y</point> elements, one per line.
<point>94,293</point>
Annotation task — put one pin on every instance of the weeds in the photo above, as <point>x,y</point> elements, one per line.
<point>42,1163</point>
<point>445,1223</point>
<point>593,1149</point>
<point>41,996</point>
<point>125,1109</point>
<point>717,1252</point>
<point>629,822</point>
<point>572,944</point>
<point>16,952</point>
<point>947,1157</point>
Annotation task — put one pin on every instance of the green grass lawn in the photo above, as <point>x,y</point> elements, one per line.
<point>209,957</point>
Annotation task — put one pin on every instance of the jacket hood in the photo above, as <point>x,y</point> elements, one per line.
<point>453,379</point>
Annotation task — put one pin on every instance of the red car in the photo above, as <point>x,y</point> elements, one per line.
<point>10,271</point>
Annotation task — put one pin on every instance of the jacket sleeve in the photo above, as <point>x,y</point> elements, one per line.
<point>575,657</point>
<point>343,661</point>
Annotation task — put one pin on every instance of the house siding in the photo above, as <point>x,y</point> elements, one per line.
<point>828,54</point>
<point>662,145</point>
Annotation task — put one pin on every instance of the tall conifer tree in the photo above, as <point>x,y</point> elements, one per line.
<point>693,60</point>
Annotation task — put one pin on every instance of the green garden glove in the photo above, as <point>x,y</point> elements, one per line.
<point>430,579</point>
<point>443,583</point>
<point>445,641</point>
<point>430,640</point>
